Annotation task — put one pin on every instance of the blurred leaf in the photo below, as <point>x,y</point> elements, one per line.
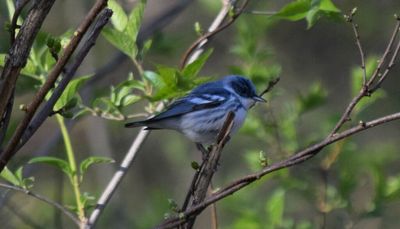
<point>53,161</point>
<point>191,70</point>
<point>119,19</point>
<point>327,5</point>
<point>9,176</point>
<point>371,63</point>
<point>88,201</point>
<point>314,98</point>
<point>275,208</point>
<point>85,164</point>
<point>294,11</point>
<point>70,92</point>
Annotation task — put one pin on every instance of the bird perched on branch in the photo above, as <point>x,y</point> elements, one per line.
<point>201,114</point>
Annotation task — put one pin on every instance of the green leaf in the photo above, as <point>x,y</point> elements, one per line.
<point>314,98</point>
<point>85,164</point>
<point>126,40</point>
<point>327,5</point>
<point>119,19</point>
<point>192,69</point>
<point>9,176</point>
<point>312,17</point>
<point>10,9</point>
<point>121,41</point>
<point>135,19</point>
<point>121,96</point>
<point>70,92</point>
<point>275,208</point>
<point>294,11</point>
<point>53,161</point>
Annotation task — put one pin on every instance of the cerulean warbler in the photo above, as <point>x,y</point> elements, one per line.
<point>201,114</point>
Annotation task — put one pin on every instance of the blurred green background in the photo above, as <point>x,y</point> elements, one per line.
<point>352,184</point>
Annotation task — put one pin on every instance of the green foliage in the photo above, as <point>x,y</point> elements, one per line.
<point>69,98</point>
<point>85,164</point>
<point>314,98</point>
<point>16,178</point>
<point>311,10</point>
<point>123,35</point>
<point>275,207</point>
<point>53,161</point>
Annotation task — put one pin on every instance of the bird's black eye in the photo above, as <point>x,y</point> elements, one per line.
<point>242,87</point>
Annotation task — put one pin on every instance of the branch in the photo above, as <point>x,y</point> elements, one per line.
<point>194,51</point>
<point>371,86</point>
<point>135,147</point>
<point>43,199</point>
<point>210,166</point>
<point>19,52</point>
<point>297,158</point>
<point>47,109</point>
<point>9,151</point>
<point>358,42</point>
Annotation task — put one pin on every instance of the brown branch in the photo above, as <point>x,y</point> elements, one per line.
<point>297,158</point>
<point>43,199</point>
<point>271,84</point>
<point>365,89</point>
<point>201,41</point>
<point>9,151</point>
<point>19,51</point>
<point>47,109</point>
<point>358,43</point>
<point>210,166</point>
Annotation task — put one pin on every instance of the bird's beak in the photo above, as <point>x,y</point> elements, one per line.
<point>259,99</point>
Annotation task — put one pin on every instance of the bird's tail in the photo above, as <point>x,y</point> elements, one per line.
<point>136,124</point>
<point>147,123</point>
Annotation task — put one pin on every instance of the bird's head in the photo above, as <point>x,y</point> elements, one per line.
<point>244,88</point>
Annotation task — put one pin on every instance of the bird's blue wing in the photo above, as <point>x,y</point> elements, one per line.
<point>195,101</point>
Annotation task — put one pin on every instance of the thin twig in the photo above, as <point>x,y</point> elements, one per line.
<point>365,91</point>
<point>358,42</point>
<point>192,52</point>
<point>9,151</point>
<point>258,12</point>
<point>271,84</point>
<point>43,199</point>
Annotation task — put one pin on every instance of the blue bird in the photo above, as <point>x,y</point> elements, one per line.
<point>201,114</point>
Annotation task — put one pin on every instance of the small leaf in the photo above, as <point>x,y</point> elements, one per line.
<point>70,92</point>
<point>133,26</point>
<point>85,164</point>
<point>327,5</point>
<point>119,19</point>
<point>53,161</point>
<point>294,11</point>
<point>275,208</point>
<point>192,69</point>
<point>120,40</point>
<point>9,176</point>
<point>315,97</point>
